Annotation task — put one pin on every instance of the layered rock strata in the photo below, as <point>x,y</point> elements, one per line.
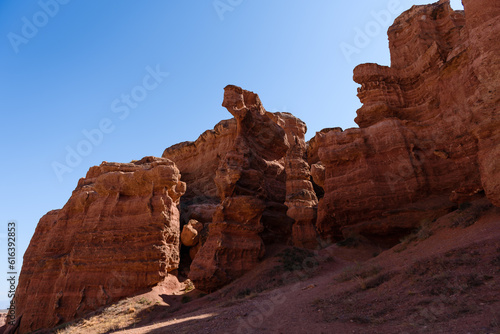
<point>301,199</point>
<point>428,134</point>
<point>428,140</point>
<point>198,162</point>
<point>250,181</point>
<point>116,236</point>
<point>483,28</point>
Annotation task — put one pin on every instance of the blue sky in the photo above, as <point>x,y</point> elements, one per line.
<point>89,81</point>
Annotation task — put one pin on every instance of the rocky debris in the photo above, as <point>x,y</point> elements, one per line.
<point>116,236</point>
<point>427,132</point>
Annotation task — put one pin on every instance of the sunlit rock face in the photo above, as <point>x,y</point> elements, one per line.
<point>428,140</point>
<point>116,236</point>
<point>429,130</point>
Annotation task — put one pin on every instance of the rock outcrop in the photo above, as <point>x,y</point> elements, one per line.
<point>116,236</point>
<point>428,140</point>
<point>429,126</point>
<point>243,177</point>
<point>190,235</point>
<point>250,181</point>
<point>301,198</point>
<point>198,162</point>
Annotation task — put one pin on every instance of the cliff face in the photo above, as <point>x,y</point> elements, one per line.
<point>250,181</point>
<point>427,134</point>
<point>483,27</point>
<point>117,235</point>
<point>428,140</point>
<point>198,162</point>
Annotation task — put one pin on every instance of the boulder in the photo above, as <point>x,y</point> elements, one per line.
<point>190,233</point>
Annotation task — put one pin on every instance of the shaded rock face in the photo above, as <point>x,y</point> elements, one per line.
<point>483,27</point>
<point>429,130</point>
<point>251,183</point>
<point>240,176</point>
<point>301,199</point>
<point>198,162</point>
<point>116,236</point>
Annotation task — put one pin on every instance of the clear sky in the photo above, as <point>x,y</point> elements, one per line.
<point>83,82</point>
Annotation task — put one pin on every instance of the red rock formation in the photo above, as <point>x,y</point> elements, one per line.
<point>483,28</point>
<point>301,198</point>
<point>250,182</point>
<point>198,162</point>
<point>241,155</point>
<point>428,139</point>
<point>190,235</point>
<point>422,125</point>
<point>116,236</point>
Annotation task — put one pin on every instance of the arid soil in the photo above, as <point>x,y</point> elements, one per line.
<point>443,278</point>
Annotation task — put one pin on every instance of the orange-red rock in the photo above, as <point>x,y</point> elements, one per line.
<point>483,28</point>
<point>190,235</point>
<point>428,140</point>
<point>198,162</point>
<point>429,130</point>
<point>301,198</point>
<point>249,156</point>
<point>116,236</point>
<point>250,181</point>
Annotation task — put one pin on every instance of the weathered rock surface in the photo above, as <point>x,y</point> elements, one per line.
<point>116,236</point>
<point>251,156</point>
<point>483,28</point>
<point>428,140</point>
<point>429,130</point>
<point>301,198</point>
<point>250,181</point>
<point>190,235</point>
<point>198,162</point>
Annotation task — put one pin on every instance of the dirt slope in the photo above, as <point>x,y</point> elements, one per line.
<point>440,279</point>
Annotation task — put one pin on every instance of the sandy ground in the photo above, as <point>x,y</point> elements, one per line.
<point>445,278</point>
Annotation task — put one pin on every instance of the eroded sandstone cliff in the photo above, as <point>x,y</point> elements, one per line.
<point>198,162</point>
<point>428,140</point>
<point>116,236</point>
<point>428,136</point>
<point>250,181</point>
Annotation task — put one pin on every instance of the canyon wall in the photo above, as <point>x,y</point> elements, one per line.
<point>427,134</point>
<point>198,162</point>
<point>483,29</point>
<point>428,140</point>
<point>249,185</point>
<point>118,235</point>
